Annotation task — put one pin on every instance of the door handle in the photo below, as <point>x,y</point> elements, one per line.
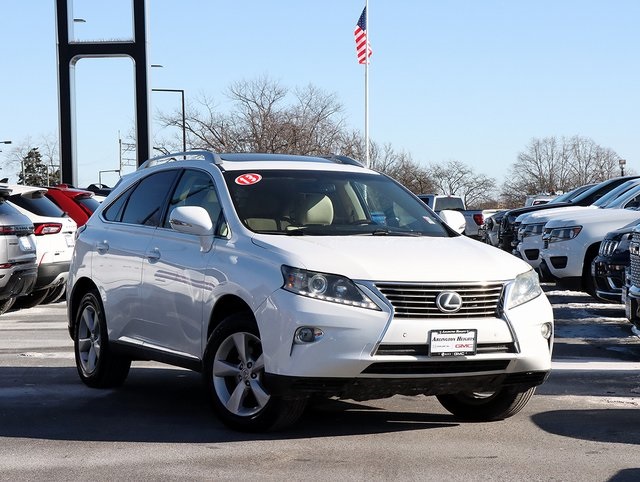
<point>153,255</point>
<point>102,247</point>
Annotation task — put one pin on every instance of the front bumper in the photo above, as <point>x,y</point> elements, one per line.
<point>529,249</point>
<point>631,299</point>
<point>608,275</point>
<point>371,354</point>
<point>373,388</point>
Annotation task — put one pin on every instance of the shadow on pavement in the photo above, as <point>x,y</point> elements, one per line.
<point>608,425</point>
<point>160,405</point>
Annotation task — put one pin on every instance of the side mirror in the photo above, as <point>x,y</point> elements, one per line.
<point>193,220</point>
<point>455,220</point>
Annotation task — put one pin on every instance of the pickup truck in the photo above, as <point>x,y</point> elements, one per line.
<point>474,218</point>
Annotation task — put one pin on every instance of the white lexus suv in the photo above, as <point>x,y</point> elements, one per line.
<point>282,278</point>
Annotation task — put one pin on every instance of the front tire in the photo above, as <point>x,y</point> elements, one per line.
<point>97,365</point>
<point>486,407</point>
<point>234,376</point>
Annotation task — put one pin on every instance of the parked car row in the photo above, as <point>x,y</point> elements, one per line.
<point>594,248</point>
<point>38,227</point>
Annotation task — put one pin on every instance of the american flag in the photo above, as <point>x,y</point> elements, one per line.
<point>363,49</point>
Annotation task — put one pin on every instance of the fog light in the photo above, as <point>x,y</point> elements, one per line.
<point>546,330</point>
<point>307,334</point>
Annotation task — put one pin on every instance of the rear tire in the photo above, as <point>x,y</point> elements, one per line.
<point>97,365</point>
<point>487,407</point>
<point>234,375</point>
<point>5,305</point>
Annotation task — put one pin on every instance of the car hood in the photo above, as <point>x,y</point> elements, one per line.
<point>544,216</point>
<point>601,216</point>
<point>393,258</point>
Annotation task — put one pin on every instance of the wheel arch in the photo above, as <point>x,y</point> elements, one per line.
<point>80,288</point>
<point>225,306</point>
<point>589,255</point>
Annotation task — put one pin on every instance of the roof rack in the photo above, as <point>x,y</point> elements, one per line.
<point>343,160</point>
<point>207,156</point>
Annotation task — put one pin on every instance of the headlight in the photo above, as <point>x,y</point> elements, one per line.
<point>563,234</point>
<point>326,287</point>
<point>525,287</point>
<point>533,229</point>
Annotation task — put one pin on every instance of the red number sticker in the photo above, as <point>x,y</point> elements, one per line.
<point>248,179</point>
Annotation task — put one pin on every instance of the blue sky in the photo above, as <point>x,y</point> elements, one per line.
<point>465,80</point>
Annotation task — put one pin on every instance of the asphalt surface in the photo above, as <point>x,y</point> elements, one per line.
<point>582,424</point>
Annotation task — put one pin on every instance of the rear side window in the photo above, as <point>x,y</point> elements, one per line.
<point>38,204</point>
<point>145,202</point>
<point>7,209</point>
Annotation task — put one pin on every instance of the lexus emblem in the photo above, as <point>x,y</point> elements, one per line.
<point>449,302</point>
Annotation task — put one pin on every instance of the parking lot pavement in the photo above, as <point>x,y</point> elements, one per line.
<point>592,335</point>
<point>583,423</point>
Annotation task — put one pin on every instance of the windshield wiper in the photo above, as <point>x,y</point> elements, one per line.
<point>389,232</point>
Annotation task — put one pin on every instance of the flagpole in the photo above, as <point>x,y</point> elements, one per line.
<point>366,87</point>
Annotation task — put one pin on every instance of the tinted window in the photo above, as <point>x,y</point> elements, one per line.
<point>115,210</point>
<point>89,203</point>
<point>144,202</point>
<point>38,204</point>
<point>195,188</point>
<point>8,209</point>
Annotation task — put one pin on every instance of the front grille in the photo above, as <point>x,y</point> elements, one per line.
<point>418,300</point>
<point>634,258</point>
<point>608,246</point>
<point>422,349</point>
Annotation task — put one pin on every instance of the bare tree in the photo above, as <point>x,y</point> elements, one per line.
<point>457,178</point>
<point>551,165</point>
<point>265,117</point>
<point>43,154</point>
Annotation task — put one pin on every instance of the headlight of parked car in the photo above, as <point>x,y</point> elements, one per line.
<point>326,287</point>
<point>525,287</point>
<point>563,234</point>
<point>533,229</point>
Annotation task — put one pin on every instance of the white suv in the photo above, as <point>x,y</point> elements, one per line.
<point>55,237</point>
<point>17,252</point>
<point>282,278</point>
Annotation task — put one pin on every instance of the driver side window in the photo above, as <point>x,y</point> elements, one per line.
<point>195,188</point>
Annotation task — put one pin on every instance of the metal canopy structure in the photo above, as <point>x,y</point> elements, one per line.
<point>69,52</point>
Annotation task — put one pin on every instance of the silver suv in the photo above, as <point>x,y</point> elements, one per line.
<point>18,270</point>
<point>283,278</point>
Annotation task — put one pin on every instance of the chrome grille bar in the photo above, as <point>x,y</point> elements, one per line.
<point>418,300</point>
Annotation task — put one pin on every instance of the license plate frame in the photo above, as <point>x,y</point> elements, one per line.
<point>457,342</point>
<point>25,244</point>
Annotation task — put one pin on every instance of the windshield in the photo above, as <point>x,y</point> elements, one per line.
<point>329,203</point>
<point>612,196</point>
<point>568,196</point>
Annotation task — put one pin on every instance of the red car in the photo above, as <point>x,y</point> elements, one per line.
<point>79,204</point>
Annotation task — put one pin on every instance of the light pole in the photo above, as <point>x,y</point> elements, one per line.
<point>622,162</point>
<point>184,128</point>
